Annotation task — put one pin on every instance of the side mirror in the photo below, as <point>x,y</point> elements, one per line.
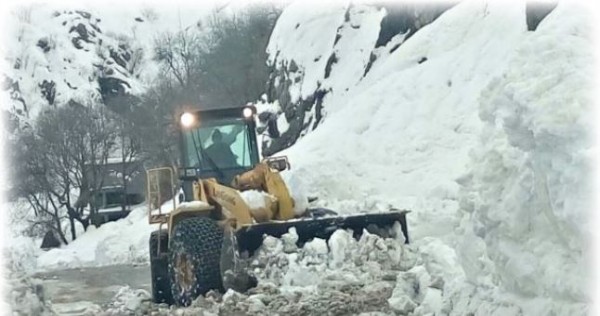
<point>278,163</point>
<point>272,128</point>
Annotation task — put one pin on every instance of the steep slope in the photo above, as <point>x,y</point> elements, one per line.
<point>480,128</point>
<point>318,53</point>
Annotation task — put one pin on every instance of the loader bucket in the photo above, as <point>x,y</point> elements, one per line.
<point>249,238</point>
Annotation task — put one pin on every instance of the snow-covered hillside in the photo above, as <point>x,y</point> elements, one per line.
<point>319,52</point>
<point>62,53</point>
<point>477,125</point>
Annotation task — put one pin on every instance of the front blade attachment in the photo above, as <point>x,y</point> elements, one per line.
<point>250,237</point>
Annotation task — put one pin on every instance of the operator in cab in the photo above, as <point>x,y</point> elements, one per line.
<point>220,151</point>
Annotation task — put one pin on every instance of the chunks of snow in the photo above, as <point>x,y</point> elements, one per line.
<point>193,205</point>
<point>127,301</point>
<point>255,199</point>
<point>297,189</point>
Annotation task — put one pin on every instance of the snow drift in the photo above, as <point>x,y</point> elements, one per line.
<point>529,191</point>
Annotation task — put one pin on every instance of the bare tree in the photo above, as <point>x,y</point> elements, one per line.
<point>179,54</point>
<point>30,174</point>
<point>63,153</point>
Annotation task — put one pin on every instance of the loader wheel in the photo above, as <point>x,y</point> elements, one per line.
<point>194,259</point>
<point>159,263</point>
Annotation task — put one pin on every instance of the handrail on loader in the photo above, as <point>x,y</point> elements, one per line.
<point>154,191</point>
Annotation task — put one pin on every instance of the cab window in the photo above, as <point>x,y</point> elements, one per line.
<point>231,150</point>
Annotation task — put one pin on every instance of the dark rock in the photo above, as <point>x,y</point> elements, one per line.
<point>332,60</point>
<point>50,241</point>
<point>408,17</point>
<point>422,60</point>
<point>48,89</point>
<point>76,42</point>
<point>112,87</point>
<point>44,45</point>
<point>70,86</point>
<point>81,30</point>
<point>536,11</point>
<point>117,58</point>
<point>293,67</point>
<point>338,36</point>
<point>84,14</point>
<point>96,28</point>
<point>319,95</point>
<point>139,19</point>
<point>395,47</point>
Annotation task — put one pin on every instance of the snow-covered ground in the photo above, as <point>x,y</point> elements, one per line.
<point>119,242</point>
<point>479,127</point>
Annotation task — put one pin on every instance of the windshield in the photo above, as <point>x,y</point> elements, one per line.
<point>224,143</point>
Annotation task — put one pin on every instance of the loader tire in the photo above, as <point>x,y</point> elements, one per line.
<point>159,264</point>
<point>194,259</point>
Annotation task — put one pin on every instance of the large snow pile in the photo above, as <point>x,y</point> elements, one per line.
<point>530,189</point>
<point>472,113</point>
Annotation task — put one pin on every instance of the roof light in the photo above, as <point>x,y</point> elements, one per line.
<point>187,119</point>
<point>247,112</point>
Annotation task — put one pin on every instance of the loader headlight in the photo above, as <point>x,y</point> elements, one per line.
<point>187,119</point>
<point>247,112</point>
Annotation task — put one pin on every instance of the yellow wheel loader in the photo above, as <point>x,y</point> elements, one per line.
<point>209,230</point>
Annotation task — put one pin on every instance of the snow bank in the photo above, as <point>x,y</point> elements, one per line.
<point>529,193</point>
<point>121,242</point>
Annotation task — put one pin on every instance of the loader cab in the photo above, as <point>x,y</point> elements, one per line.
<point>217,144</point>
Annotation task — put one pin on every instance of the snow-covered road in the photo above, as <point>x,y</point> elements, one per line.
<point>75,291</point>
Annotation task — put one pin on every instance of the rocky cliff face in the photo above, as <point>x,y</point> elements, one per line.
<point>65,57</point>
<point>317,54</point>
<point>56,55</point>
